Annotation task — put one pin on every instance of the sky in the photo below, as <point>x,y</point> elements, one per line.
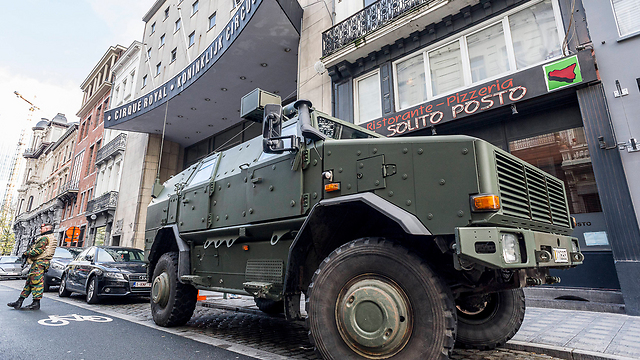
<point>49,48</point>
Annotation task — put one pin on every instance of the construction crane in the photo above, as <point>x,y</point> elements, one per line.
<point>32,108</point>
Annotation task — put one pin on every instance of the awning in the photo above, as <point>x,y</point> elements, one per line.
<point>257,49</point>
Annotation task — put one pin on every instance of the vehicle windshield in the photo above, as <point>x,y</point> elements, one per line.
<point>336,130</point>
<point>63,253</point>
<point>9,259</point>
<point>120,255</point>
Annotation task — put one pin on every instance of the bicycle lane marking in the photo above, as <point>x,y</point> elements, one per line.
<point>56,320</point>
<point>183,331</point>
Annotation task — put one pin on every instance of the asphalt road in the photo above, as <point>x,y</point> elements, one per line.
<point>89,335</point>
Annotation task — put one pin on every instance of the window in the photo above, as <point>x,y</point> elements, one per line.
<point>98,113</point>
<point>158,67</point>
<point>627,14</point>
<point>166,13</point>
<point>192,38</point>
<point>368,105</point>
<point>89,161</point>
<point>148,54</point>
<point>523,38</point>
<point>174,54</point>
<point>411,83</point>
<point>161,41</point>
<point>212,20</point>
<point>144,81</point>
<point>178,24</point>
<point>153,28</point>
<point>194,8</point>
<point>30,203</point>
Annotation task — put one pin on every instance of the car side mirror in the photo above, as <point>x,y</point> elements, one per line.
<point>273,142</point>
<point>89,258</point>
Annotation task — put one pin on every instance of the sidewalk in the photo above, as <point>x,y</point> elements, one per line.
<point>565,334</point>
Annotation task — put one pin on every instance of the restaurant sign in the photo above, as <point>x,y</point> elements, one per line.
<point>523,85</point>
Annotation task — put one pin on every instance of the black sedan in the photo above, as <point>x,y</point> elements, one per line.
<point>101,271</point>
<point>61,258</point>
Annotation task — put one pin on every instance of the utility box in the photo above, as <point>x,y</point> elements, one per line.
<point>252,104</point>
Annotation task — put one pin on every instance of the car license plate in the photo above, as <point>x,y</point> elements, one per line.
<point>560,255</point>
<point>141,284</point>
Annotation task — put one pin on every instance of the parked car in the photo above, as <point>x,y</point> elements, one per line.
<point>101,271</point>
<point>61,258</point>
<point>11,267</point>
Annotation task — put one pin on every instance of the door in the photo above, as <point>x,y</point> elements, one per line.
<point>72,273</point>
<point>193,200</point>
<point>84,268</point>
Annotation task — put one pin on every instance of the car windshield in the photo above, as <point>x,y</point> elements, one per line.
<point>120,255</point>
<point>63,253</point>
<point>9,259</point>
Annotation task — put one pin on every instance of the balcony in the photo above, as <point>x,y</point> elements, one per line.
<point>368,20</point>
<point>105,202</point>
<point>28,153</point>
<point>68,191</point>
<point>119,143</point>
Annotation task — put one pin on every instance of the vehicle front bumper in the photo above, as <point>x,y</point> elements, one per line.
<point>484,245</point>
<point>109,287</point>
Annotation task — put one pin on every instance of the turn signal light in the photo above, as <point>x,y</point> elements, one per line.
<point>332,187</point>
<point>485,203</point>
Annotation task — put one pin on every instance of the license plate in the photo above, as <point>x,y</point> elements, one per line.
<point>560,255</point>
<point>141,284</point>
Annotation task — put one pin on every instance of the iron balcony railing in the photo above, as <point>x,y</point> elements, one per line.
<point>108,201</point>
<point>71,186</point>
<point>368,20</point>
<point>29,152</point>
<point>119,143</point>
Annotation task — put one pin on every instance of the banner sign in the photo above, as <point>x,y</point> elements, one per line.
<point>173,87</point>
<point>523,85</point>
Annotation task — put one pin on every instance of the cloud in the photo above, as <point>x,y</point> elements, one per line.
<point>123,17</point>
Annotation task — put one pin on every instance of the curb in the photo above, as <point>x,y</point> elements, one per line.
<point>562,352</point>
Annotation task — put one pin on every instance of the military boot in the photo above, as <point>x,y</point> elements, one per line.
<point>16,304</point>
<point>35,305</point>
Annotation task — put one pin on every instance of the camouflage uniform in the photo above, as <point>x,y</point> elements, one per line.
<point>35,279</point>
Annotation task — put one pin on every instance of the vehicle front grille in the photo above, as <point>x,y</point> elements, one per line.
<point>138,277</point>
<point>530,193</point>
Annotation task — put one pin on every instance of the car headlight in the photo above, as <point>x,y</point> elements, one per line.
<point>574,246</point>
<point>112,275</point>
<point>57,266</point>
<point>510,248</point>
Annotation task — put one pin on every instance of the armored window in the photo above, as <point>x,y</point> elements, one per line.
<point>627,14</point>
<point>368,105</point>
<point>192,38</point>
<point>194,8</point>
<point>212,20</point>
<point>204,171</point>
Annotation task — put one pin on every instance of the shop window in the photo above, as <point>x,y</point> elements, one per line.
<point>411,83</point>
<point>368,105</point>
<point>627,14</point>
<point>487,53</point>
<point>534,34</point>
<point>445,69</point>
<point>565,155</point>
<point>99,241</point>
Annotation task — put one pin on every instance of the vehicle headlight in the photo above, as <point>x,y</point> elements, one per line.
<point>112,275</point>
<point>510,248</point>
<point>57,266</point>
<point>574,246</point>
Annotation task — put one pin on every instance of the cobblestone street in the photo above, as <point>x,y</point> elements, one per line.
<point>270,333</point>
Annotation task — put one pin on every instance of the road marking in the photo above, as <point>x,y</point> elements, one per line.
<point>55,320</point>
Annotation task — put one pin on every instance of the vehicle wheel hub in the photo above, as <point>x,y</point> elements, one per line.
<point>373,317</point>
<point>160,289</point>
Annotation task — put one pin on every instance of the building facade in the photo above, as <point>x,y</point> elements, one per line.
<point>82,211</point>
<point>48,160</point>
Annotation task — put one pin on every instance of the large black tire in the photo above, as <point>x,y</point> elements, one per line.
<point>373,288</point>
<point>92,291</point>
<point>269,306</point>
<point>489,321</point>
<point>172,302</point>
<point>62,290</point>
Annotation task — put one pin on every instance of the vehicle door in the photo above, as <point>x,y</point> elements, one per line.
<point>193,204</point>
<point>72,271</point>
<point>84,268</point>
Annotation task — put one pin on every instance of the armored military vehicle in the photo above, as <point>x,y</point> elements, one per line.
<point>402,247</point>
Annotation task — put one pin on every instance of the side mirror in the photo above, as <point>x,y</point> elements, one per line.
<point>273,141</point>
<point>89,258</point>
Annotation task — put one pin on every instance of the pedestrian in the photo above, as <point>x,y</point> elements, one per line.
<point>39,256</point>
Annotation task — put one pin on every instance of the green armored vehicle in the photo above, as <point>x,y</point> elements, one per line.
<point>402,247</point>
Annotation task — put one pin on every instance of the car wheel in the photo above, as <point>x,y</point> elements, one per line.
<point>487,321</point>
<point>62,290</point>
<point>374,299</point>
<point>92,291</point>
<point>172,302</point>
<point>269,306</point>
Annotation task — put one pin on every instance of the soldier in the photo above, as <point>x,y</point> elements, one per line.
<point>39,256</point>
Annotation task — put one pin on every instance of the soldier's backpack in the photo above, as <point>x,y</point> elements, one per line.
<point>49,250</point>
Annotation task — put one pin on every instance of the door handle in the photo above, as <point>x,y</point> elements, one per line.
<point>256,180</point>
<point>185,201</point>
